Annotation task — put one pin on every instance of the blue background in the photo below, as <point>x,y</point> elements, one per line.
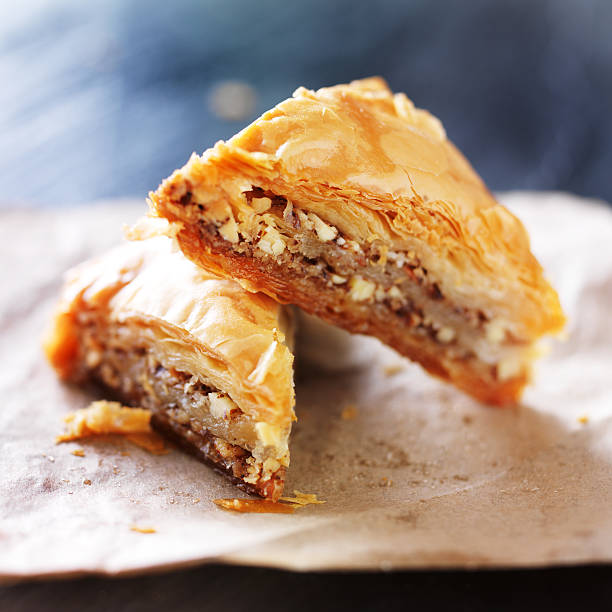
<point>104,99</point>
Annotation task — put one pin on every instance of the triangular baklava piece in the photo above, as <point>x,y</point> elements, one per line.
<point>351,203</point>
<point>209,359</point>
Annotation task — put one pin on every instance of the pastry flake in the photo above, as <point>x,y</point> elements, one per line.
<point>210,361</point>
<point>352,203</point>
<point>103,417</point>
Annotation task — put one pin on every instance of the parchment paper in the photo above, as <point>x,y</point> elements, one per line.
<point>422,476</point>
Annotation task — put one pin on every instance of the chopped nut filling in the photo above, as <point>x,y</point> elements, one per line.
<point>393,282</point>
<point>120,358</point>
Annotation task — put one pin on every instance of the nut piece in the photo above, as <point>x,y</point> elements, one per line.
<point>496,331</point>
<point>270,466</point>
<point>229,231</point>
<point>271,242</point>
<point>260,205</point>
<point>305,220</point>
<point>360,289</point>
<point>445,335</point>
<point>380,294</point>
<point>509,367</point>
<point>221,406</point>
<point>324,232</point>
<point>394,293</point>
<point>269,435</point>
<point>93,358</point>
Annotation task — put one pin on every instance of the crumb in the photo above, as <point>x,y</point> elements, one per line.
<point>79,452</point>
<point>393,369</point>
<point>105,417</point>
<point>584,419</point>
<point>467,419</point>
<point>196,500</point>
<point>302,499</point>
<point>255,505</point>
<point>143,529</point>
<point>116,470</point>
<point>87,481</point>
<point>349,412</point>
<point>385,482</point>
<point>461,477</point>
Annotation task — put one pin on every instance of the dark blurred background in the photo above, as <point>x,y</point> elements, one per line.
<point>104,99</point>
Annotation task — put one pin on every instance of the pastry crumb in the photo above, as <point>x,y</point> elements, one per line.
<point>385,482</point>
<point>349,412</point>
<point>143,529</point>
<point>302,499</point>
<point>259,506</point>
<point>393,369</point>
<point>584,419</point>
<point>285,505</point>
<point>87,481</point>
<point>104,417</point>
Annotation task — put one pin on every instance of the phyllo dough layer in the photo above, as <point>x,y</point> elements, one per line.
<point>352,204</point>
<point>210,360</point>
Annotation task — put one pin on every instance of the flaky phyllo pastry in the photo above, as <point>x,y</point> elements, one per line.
<point>352,204</point>
<point>210,360</point>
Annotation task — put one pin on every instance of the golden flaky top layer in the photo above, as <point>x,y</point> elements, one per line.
<point>194,322</point>
<point>371,164</point>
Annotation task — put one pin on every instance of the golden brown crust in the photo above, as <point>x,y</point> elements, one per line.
<point>369,164</point>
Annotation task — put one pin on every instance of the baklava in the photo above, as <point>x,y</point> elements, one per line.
<point>353,204</point>
<point>211,361</point>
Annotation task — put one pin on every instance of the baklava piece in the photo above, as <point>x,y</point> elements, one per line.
<point>208,359</point>
<point>352,204</point>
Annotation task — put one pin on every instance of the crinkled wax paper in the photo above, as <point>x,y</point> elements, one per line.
<point>414,473</point>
